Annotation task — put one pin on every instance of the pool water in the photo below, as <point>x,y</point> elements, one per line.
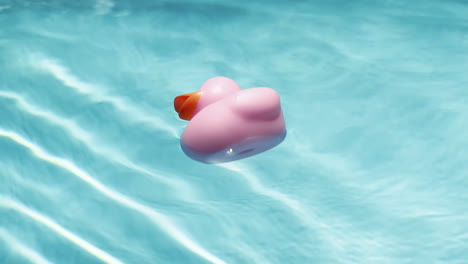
<point>373,169</point>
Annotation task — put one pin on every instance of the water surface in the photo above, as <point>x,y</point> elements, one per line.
<point>373,170</point>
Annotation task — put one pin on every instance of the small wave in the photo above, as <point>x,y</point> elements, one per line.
<point>78,133</point>
<point>28,253</point>
<point>258,187</point>
<point>32,185</point>
<point>290,203</point>
<point>306,216</point>
<point>162,221</point>
<point>97,94</point>
<point>55,227</point>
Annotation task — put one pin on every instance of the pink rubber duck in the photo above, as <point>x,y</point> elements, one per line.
<point>227,123</point>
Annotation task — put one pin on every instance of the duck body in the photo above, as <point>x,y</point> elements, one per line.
<point>227,123</point>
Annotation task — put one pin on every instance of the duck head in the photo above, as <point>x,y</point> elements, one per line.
<point>213,90</point>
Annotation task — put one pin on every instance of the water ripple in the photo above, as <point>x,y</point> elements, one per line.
<point>96,94</point>
<point>25,251</point>
<point>52,225</point>
<point>79,133</point>
<point>159,219</point>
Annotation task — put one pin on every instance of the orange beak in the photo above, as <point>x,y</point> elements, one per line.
<point>186,104</point>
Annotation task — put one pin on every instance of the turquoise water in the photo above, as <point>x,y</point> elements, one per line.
<point>373,170</point>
